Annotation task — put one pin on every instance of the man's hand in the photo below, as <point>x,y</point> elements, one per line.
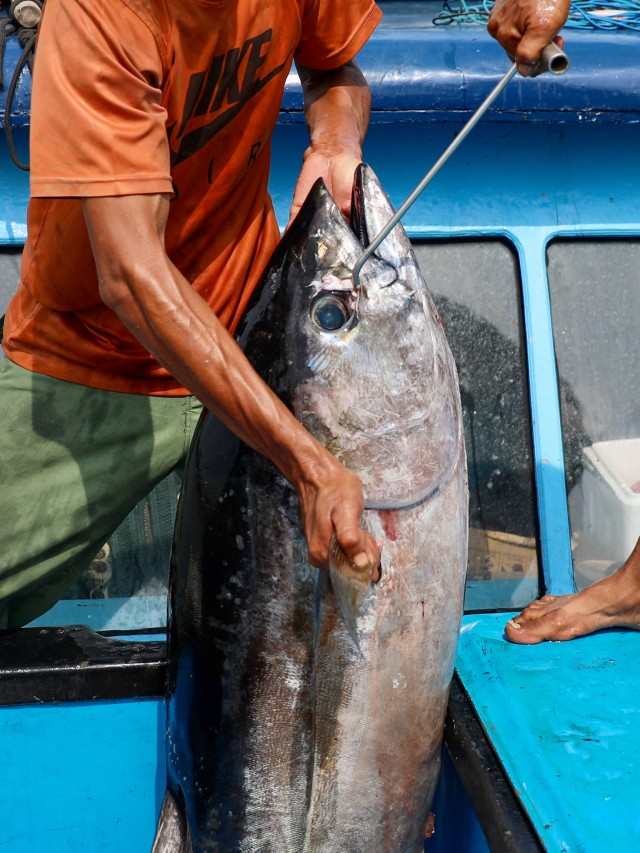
<point>337,172</point>
<point>337,105</point>
<point>333,501</point>
<point>525,27</point>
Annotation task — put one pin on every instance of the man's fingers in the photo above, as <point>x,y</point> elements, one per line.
<point>531,46</point>
<point>530,56</point>
<point>525,27</point>
<point>358,545</point>
<point>361,548</point>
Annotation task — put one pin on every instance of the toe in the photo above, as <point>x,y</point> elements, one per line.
<point>517,632</point>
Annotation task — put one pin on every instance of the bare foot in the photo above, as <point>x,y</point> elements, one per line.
<point>613,602</point>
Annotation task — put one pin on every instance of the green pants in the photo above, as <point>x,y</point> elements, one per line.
<point>74,461</point>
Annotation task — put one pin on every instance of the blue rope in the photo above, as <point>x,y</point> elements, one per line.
<point>584,14</point>
<point>604,15</point>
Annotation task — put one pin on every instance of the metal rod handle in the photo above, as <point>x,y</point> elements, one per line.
<point>553,59</point>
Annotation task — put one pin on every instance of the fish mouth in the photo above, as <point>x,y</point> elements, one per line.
<point>370,212</point>
<point>359,219</point>
<point>370,207</point>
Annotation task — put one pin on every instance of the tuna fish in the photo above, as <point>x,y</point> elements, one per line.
<point>289,730</point>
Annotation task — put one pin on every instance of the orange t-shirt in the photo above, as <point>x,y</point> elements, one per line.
<point>157,96</point>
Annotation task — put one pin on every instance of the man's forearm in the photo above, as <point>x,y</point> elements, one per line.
<point>337,105</point>
<point>159,307</point>
<point>174,323</point>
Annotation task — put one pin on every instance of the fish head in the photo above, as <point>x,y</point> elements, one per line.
<point>366,369</point>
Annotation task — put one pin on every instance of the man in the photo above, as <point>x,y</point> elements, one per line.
<point>149,224</point>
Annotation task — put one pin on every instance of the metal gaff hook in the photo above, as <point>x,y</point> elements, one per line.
<point>551,59</point>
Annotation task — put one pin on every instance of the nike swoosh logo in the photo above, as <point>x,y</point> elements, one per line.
<point>195,140</point>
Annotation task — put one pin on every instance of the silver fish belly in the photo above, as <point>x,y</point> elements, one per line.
<point>290,731</point>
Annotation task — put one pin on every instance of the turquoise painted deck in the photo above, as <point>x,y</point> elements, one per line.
<point>81,777</point>
<point>565,721</point>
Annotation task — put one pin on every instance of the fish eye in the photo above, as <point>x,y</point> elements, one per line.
<point>330,312</point>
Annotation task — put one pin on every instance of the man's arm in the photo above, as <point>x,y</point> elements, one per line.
<point>158,305</point>
<point>525,27</point>
<point>336,105</point>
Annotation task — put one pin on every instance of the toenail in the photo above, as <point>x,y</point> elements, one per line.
<point>515,624</point>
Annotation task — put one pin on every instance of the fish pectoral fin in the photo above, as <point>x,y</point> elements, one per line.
<point>350,584</point>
